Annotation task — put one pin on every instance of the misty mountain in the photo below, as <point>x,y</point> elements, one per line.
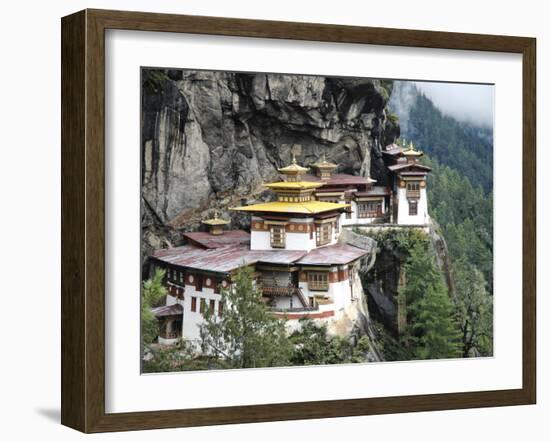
<point>463,146</point>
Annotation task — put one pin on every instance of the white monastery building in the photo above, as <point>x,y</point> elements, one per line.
<point>301,264</point>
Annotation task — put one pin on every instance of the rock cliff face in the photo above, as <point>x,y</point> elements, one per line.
<point>209,139</point>
<point>386,277</point>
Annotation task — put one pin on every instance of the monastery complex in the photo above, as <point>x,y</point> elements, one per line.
<point>302,261</point>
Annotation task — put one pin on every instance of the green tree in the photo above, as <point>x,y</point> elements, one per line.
<point>152,292</point>
<point>313,346</point>
<point>475,311</point>
<point>465,214</point>
<point>180,356</point>
<point>246,335</point>
<point>432,331</point>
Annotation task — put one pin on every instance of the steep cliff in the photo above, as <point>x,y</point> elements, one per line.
<point>387,276</point>
<point>210,139</point>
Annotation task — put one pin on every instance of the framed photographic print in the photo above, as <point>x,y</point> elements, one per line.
<point>267,221</point>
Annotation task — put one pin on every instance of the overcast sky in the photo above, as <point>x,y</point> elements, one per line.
<point>465,102</point>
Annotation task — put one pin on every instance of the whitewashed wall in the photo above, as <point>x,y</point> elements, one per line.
<point>344,221</point>
<point>403,216</point>
<point>354,216</point>
<point>192,320</point>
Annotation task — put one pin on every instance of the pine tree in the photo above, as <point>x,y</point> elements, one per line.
<point>475,310</point>
<point>246,335</point>
<point>152,292</point>
<point>313,346</point>
<point>432,331</point>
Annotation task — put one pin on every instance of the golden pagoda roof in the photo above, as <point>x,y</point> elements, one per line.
<point>216,221</point>
<point>293,185</point>
<point>306,207</point>
<point>412,152</point>
<point>324,164</point>
<point>294,168</point>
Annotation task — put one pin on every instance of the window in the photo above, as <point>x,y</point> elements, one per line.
<point>181,277</point>
<point>413,207</point>
<point>193,304</point>
<point>277,236</point>
<point>413,189</point>
<point>370,209</point>
<point>317,280</point>
<point>203,305</point>
<point>212,307</point>
<point>198,283</point>
<point>324,233</point>
<point>220,309</point>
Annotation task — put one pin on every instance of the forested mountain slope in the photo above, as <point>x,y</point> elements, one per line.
<point>460,199</point>
<point>465,147</point>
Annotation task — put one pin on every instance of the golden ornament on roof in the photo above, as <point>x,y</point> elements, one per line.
<point>216,221</point>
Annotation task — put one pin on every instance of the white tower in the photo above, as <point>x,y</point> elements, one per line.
<point>410,188</point>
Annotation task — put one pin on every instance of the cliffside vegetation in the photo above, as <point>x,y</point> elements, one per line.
<point>460,199</point>
<point>153,292</point>
<point>431,330</point>
<point>422,322</point>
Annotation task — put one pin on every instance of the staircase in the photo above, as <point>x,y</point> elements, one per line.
<point>271,288</point>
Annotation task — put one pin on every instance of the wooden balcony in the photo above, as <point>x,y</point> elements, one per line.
<point>281,291</point>
<point>275,291</point>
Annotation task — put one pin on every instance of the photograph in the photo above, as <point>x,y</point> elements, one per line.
<point>271,222</point>
<point>295,220</point>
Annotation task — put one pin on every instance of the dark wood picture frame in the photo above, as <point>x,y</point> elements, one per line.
<point>83,220</point>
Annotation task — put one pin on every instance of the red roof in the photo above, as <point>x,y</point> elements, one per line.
<point>210,241</point>
<point>402,166</point>
<point>375,191</point>
<point>167,310</point>
<point>228,258</point>
<point>327,189</point>
<point>393,149</point>
<point>339,179</point>
<point>414,173</point>
<point>335,254</point>
<point>224,259</point>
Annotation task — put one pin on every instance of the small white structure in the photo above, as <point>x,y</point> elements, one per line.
<point>409,188</point>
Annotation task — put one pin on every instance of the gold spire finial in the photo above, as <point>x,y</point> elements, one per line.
<point>215,224</point>
<point>293,172</point>
<point>411,151</point>
<point>323,168</point>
